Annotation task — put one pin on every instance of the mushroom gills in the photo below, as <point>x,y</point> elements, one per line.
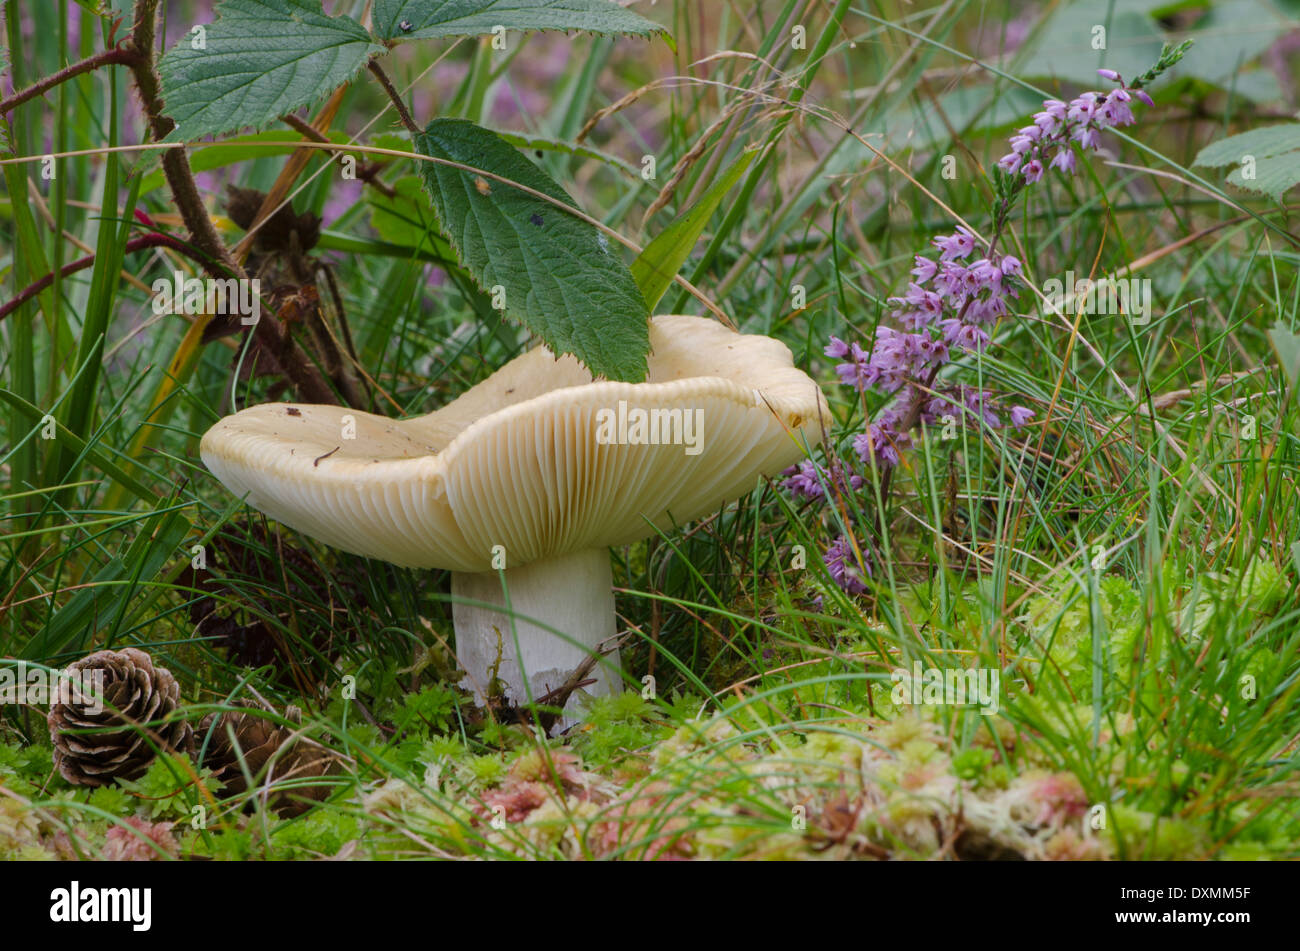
<point>562,609</point>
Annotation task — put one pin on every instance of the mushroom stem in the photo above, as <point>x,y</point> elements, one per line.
<point>572,594</point>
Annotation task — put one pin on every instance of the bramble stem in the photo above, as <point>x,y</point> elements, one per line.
<point>153,240</point>
<point>117,56</point>
<point>395,96</point>
<point>275,340</point>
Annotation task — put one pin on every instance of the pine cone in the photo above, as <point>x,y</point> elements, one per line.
<point>137,696</point>
<point>256,738</point>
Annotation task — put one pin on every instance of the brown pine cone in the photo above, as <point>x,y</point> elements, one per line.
<point>137,697</point>
<point>257,739</point>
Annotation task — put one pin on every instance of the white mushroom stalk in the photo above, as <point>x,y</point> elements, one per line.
<point>550,636</point>
<point>522,485</point>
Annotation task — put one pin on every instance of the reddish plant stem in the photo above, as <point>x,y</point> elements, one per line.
<point>365,173</point>
<point>395,96</point>
<point>153,240</point>
<point>117,56</point>
<point>276,340</point>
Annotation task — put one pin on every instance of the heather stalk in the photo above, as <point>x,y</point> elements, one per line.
<point>951,305</point>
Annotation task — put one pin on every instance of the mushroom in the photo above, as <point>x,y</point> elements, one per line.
<point>521,485</point>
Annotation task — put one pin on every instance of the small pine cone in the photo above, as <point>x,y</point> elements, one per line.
<point>137,697</point>
<point>256,738</point>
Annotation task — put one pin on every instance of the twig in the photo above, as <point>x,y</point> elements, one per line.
<point>366,173</point>
<point>124,55</point>
<point>395,96</point>
<point>176,169</point>
<point>152,240</point>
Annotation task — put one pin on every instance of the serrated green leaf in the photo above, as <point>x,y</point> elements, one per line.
<point>1273,176</point>
<point>561,278</point>
<point>261,59</point>
<point>661,259</point>
<point>1270,156</point>
<point>421,19</point>
<point>1261,143</point>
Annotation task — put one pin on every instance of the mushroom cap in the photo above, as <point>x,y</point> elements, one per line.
<point>520,460</point>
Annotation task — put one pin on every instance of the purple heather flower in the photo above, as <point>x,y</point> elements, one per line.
<point>1064,161</point>
<point>1022,144</point>
<point>842,563</point>
<point>959,244</point>
<point>837,349</point>
<point>1144,96</point>
<point>880,442</point>
<point>986,274</point>
<point>1020,416</point>
<point>802,480</point>
<point>1081,110</point>
<point>1115,111</point>
<point>810,481</point>
<point>1109,74</point>
<point>952,280</point>
<point>918,307</point>
<point>945,311</point>
<point>924,270</point>
<point>859,373</point>
<point>1087,137</point>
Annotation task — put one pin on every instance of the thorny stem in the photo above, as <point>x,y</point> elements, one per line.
<point>153,240</point>
<point>395,96</point>
<point>174,163</point>
<point>124,55</point>
<point>366,173</point>
<point>308,380</point>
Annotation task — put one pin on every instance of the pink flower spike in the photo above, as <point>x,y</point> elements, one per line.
<point>1143,96</point>
<point>1109,74</point>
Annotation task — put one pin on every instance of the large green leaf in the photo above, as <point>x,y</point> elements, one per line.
<point>1274,152</point>
<point>1065,48</point>
<point>261,59</point>
<point>1231,34</point>
<point>561,277</point>
<point>661,259</point>
<point>418,19</point>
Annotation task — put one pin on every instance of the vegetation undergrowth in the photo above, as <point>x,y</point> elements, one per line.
<point>1074,637</point>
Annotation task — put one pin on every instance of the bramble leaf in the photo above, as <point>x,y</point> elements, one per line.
<point>1267,159</point>
<point>421,19</point>
<point>560,277</point>
<point>258,61</point>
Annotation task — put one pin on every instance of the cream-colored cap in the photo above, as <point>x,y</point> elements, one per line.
<point>531,458</point>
